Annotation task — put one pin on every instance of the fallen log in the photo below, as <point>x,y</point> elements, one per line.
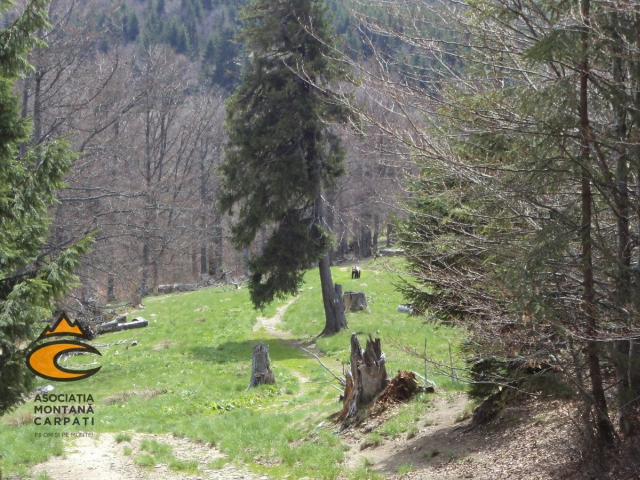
<point>164,289</point>
<point>261,372</point>
<point>135,323</point>
<point>391,252</point>
<point>108,327</point>
<point>116,326</point>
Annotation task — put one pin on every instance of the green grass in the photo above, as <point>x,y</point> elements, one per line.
<point>189,377</point>
<point>305,318</point>
<point>373,439</point>
<point>145,460</point>
<point>155,448</point>
<point>21,448</point>
<point>406,420</point>
<point>217,464</point>
<point>405,468</point>
<point>123,437</point>
<point>365,473</point>
<point>161,453</point>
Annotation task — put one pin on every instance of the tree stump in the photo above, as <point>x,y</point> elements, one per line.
<point>354,301</point>
<point>261,367</point>
<point>367,378</point>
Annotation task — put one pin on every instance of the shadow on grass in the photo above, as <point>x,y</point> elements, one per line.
<point>233,351</point>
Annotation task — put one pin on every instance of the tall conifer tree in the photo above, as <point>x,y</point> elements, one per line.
<point>281,152</point>
<point>30,276</point>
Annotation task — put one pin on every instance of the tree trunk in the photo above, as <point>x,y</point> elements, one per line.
<point>203,259</point>
<point>37,115</point>
<point>330,220</point>
<point>376,228</point>
<point>147,213</point>
<point>365,238</point>
<point>621,196</point>
<point>343,245</point>
<point>111,288</point>
<point>194,262</point>
<point>245,261</point>
<point>605,428</point>
<point>215,256</point>
<point>335,319</point>
<point>365,380</point>
<point>25,108</point>
<point>156,274</point>
<point>145,264</point>
<point>389,235</point>
<point>634,371</point>
<point>634,347</point>
<point>261,367</point>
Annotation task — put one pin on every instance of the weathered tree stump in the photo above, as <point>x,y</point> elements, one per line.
<point>367,378</point>
<point>261,366</point>
<point>354,301</point>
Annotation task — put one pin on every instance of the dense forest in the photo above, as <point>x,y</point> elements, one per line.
<point>146,179</point>
<point>156,145</point>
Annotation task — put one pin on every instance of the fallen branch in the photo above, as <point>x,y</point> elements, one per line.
<point>425,380</point>
<point>342,381</point>
<point>330,384</point>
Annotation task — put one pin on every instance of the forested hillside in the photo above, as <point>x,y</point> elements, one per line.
<point>205,31</point>
<point>145,110</point>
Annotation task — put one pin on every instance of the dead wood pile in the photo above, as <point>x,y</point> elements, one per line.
<point>400,389</point>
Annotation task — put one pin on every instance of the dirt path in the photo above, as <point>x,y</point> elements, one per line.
<point>529,440</point>
<point>270,324</point>
<point>102,458</point>
<point>434,435</point>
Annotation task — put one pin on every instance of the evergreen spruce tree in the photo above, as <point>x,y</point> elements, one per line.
<point>219,63</point>
<point>281,152</point>
<point>133,27</point>
<point>30,278</point>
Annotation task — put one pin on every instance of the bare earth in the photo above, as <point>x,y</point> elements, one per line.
<point>528,441</point>
<point>270,325</point>
<point>101,458</point>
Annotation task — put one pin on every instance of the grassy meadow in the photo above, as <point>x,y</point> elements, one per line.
<point>189,372</point>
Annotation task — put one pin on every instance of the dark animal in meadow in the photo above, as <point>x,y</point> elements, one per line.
<point>355,272</point>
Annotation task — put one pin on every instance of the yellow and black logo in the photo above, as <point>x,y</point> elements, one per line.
<point>43,359</point>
